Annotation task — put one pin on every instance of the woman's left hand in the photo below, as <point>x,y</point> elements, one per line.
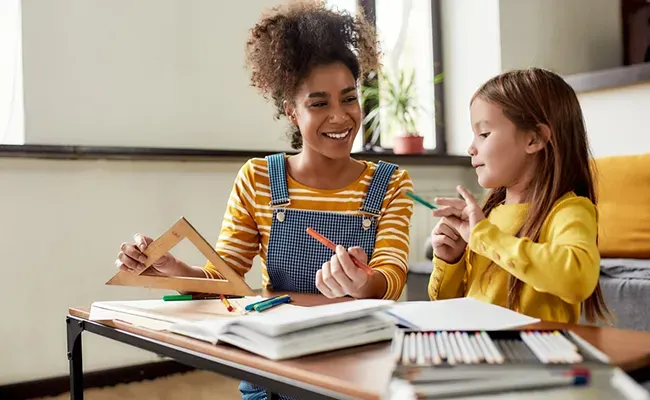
<point>339,276</point>
<point>463,213</point>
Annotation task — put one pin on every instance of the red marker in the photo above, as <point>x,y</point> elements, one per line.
<point>328,243</point>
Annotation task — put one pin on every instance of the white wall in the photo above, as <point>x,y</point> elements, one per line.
<point>63,223</point>
<point>166,73</point>
<point>483,38</point>
<point>617,120</point>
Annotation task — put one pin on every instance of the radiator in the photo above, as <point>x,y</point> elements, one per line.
<point>430,184</point>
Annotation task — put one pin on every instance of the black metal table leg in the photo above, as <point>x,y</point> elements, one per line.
<point>74,329</point>
<point>274,383</point>
<point>272,396</point>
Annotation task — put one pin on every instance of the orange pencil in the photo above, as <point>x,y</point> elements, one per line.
<point>332,247</point>
<point>225,301</point>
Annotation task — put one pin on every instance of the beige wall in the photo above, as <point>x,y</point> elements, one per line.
<point>617,120</point>
<point>567,36</point>
<point>498,35</point>
<point>166,73</point>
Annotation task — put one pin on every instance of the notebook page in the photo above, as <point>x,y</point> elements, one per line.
<point>170,311</point>
<point>457,314</point>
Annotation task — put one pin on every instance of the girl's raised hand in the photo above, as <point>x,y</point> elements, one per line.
<point>462,214</point>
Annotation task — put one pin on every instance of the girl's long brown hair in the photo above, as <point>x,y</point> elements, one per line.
<point>528,98</point>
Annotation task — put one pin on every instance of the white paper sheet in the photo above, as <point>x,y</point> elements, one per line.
<point>457,314</point>
<point>160,315</point>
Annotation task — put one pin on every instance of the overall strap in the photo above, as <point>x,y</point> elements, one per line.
<point>377,189</point>
<point>278,179</point>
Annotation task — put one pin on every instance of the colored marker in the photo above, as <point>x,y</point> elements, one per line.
<point>326,242</point>
<point>249,307</point>
<point>420,200</point>
<point>179,297</point>
<point>272,303</point>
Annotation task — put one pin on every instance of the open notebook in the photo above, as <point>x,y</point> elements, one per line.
<point>457,314</point>
<point>297,331</point>
<point>159,315</point>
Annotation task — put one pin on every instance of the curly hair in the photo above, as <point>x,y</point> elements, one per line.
<point>293,38</point>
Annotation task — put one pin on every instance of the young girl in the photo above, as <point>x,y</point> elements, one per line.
<point>533,246</point>
<point>309,60</point>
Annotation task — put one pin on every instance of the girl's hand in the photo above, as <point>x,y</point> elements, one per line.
<point>447,243</point>
<point>339,276</point>
<point>463,214</point>
<point>131,258</point>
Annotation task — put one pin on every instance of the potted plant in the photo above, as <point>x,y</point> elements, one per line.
<point>396,98</point>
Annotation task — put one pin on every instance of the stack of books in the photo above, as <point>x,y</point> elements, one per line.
<point>443,364</point>
<point>290,332</point>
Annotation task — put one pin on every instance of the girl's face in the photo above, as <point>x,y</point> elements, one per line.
<point>502,155</point>
<point>327,110</point>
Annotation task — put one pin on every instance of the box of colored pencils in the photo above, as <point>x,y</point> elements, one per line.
<point>467,348</point>
<point>445,363</point>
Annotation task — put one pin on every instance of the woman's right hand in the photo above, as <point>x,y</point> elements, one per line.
<point>131,259</point>
<point>447,243</point>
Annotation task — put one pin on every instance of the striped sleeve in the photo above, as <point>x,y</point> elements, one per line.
<point>239,239</point>
<point>391,253</point>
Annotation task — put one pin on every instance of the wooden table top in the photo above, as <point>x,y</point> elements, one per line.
<point>364,372</point>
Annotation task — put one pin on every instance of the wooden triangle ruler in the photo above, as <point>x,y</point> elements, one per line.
<point>232,284</point>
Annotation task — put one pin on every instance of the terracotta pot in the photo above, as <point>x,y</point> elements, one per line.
<point>408,145</point>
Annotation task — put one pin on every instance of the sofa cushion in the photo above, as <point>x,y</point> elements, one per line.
<point>623,194</point>
<point>623,268</point>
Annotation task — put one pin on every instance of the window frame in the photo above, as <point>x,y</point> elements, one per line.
<point>369,9</point>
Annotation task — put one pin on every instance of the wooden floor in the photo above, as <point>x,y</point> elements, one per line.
<point>196,385</point>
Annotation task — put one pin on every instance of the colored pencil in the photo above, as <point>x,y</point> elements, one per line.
<point>225,301</point>
<point>325,241</point>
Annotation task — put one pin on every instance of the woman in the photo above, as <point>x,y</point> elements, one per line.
<point>309,59</point>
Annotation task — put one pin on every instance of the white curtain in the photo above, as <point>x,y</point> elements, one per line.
<point>11,79</point>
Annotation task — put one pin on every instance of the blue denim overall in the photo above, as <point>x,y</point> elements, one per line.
<point>294,257</point>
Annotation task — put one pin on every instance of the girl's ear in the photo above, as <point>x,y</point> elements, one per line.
<point>290,112</point>
<point>539,140</point>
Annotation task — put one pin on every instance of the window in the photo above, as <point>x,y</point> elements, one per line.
<point>404,29</point>
<point>409,35</point>
<point>11,83</point>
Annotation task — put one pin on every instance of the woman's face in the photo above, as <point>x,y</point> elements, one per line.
<point>327,110</point>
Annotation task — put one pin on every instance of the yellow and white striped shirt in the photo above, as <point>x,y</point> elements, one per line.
<point>247,221</point>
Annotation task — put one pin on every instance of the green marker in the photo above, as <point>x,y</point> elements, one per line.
<point>179,297</point>
<point>176,297</point>
<point>421,200</point>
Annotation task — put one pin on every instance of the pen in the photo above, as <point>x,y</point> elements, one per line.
<point>225,301</point>
<point>325,241</point>
<point>420,200</point>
